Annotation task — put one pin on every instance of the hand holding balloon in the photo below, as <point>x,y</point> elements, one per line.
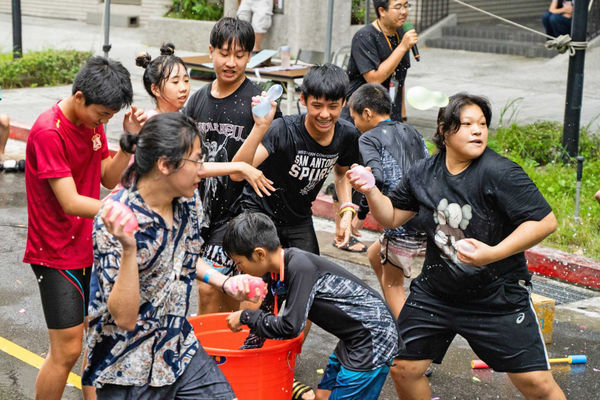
<point>359,173</point>
<point>262,108</point>
<point>122,211</point>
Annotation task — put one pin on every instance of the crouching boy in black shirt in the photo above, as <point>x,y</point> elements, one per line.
<point>320,290</point>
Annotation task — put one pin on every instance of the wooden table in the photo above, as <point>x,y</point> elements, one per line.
<point>287,76</point>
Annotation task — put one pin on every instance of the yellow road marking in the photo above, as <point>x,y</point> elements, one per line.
<point>32,359</point>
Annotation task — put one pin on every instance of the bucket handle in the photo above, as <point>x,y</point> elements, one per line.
<point>287,358</point>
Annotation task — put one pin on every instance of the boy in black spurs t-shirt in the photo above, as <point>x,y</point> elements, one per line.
<point>297,153</point>
<point>328,295</point>
<point>223,113</point>
<point>480,212</point>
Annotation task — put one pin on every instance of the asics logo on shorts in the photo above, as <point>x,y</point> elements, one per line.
<point>520,318</point>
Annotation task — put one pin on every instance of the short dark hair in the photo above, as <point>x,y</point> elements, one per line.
<point>104,82</point>
<point>248,231</point>
<point>157,71</point>
<point>448,120</point>
<point>229,31</point>
<point>372,96</point>
<point>169,135</point>
<point>327,80</point>
<point>380,3</point>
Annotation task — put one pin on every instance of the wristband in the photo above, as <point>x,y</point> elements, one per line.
<point>207,275</point>
<point>351,209</point>
<point>223,284</point>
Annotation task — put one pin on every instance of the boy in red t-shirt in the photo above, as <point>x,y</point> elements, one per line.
<point>67,159</point>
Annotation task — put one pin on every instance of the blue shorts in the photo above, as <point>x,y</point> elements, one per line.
<point>347,384</point>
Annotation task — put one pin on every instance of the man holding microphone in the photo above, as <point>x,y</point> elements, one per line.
<point>379,53</point>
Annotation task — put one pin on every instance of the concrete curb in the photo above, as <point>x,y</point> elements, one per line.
<point>542,260</point>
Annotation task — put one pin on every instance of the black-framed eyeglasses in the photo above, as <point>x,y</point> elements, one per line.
<point>406,6</point>
<point>199,163</point>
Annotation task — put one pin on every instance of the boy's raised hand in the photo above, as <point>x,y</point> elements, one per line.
<point>265,121</point>
<point>134,120</point>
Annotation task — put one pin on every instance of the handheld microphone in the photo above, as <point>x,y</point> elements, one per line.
<point>415,50</point>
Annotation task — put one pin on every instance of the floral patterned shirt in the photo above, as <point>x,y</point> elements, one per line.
<point>159,348</point>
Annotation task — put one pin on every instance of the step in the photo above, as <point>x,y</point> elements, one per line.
<point>125,16</point>
<point>496,33</point>
<point>491,46</point>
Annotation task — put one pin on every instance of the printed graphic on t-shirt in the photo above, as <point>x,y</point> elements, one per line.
<point>215,153</point>
<point>314,167</point>
<point>227,130</point>
<point>96,142</point>
<point>451,220</point>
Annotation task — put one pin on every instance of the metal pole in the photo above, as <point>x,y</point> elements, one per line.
<point>367,11</point>
<point>570,139</point>
<point>17,29</point>
<point>578,190</point>
<point>329,30</point>
<point>107,46</point>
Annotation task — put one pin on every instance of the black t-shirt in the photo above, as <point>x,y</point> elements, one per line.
<point>369,49</point>
<point>487,202</point>
<point>390,149</point>
<point>298,166</point>
<point>225,124</point>
<point>333,299</point>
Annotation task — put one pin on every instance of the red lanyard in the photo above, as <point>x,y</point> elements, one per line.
<point>280,278</point>
<point>385,36</point>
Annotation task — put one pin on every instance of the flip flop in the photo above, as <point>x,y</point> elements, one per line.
<point>352,242</point>
<point>299,389</point>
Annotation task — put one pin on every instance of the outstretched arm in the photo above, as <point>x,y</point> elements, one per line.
<point>239,171</point>
<point>380,205</point>
<point>527,235</point>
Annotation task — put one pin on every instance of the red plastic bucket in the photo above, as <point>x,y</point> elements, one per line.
<point>266,373</point>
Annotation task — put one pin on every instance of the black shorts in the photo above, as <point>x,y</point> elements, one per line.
<point>506,335</point>
<point>301,235</point>
<point>65,295</point>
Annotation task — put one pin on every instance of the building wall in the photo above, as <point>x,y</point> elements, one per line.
<point>61,9</point>
<point>512,9</point>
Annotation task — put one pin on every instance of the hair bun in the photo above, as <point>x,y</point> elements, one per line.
<point>143,59</point>
<point>128,142</point>
<point>167,49</point>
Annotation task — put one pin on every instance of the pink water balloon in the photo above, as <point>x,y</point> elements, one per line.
<point>132,224</point>
<point>363,174</point>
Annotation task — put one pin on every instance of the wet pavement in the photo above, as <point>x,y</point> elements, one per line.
<point>576,326</point>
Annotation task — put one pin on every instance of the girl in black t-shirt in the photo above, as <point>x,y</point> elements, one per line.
<point>480,212</point>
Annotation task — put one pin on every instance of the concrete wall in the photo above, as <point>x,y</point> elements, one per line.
<point>512,9</point>
<point>63,9</point>
<point>301,26</point>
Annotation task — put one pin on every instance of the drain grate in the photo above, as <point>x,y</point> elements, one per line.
<point>559,291</point>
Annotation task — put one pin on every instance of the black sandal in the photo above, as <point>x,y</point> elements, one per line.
<point>298,389</point>
<point>352,242</point>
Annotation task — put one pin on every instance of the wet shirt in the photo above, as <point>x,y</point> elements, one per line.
<point>225,124</point>
<point>335,300</point>
<point>159,348</point>
<point>487,201</point>
<point>56,148</point>
<point>298,166</point>
<point>369,49</point>
<point>390,149</point>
